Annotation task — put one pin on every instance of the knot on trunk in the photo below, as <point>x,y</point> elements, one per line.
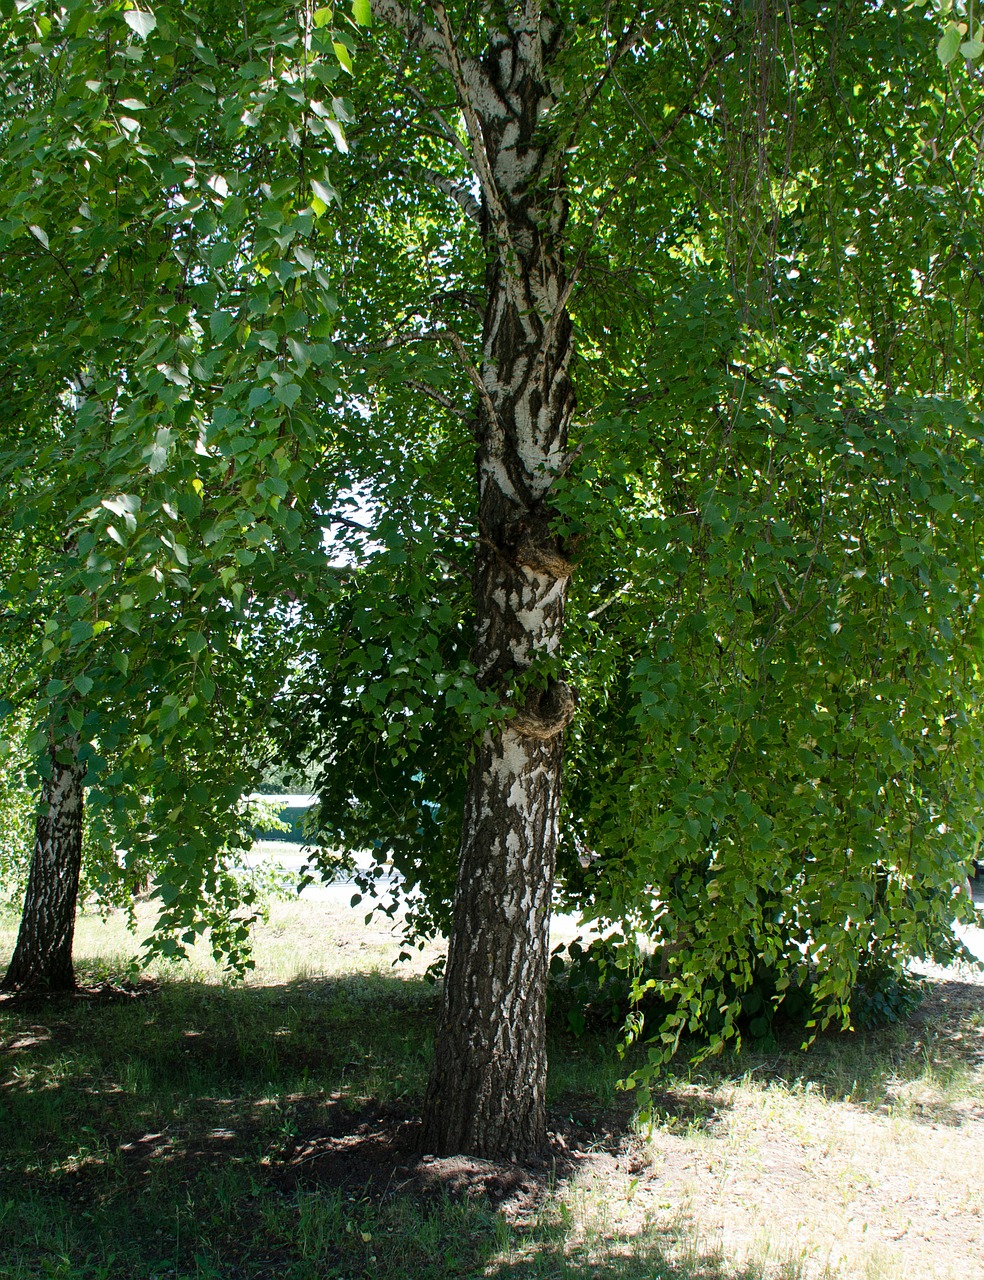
<point>546,712</point>
<point>542,558</point>
<point>535,547</point>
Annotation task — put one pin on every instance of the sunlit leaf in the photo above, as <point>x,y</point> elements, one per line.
<point>949,44</point>
<point>141,21</point>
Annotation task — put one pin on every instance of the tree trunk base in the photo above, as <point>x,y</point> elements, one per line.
<point>42,959</point>
<point>486,1095</point>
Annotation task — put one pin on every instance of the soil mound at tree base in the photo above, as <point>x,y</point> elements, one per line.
<point>380,1158</point>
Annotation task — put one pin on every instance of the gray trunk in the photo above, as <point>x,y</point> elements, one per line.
<point>486,1094</point>
<point>42,958</point>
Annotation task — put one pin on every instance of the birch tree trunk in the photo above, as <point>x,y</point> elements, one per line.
<point>42,958</point>
<point>486,1093</point>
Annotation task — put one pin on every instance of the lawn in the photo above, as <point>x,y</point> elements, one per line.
<point>205,1129</point>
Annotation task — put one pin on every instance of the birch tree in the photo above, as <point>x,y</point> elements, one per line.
<point>644,190</point>
<point>153,458</point>
<point>630,356</point>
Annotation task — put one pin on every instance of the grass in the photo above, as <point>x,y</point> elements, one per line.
<point>147,1138</point>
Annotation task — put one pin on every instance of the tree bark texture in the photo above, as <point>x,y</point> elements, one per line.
<point>42,958</point>
<point>486,1093</point>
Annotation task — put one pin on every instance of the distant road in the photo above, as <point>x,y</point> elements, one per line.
<point>292,856</point>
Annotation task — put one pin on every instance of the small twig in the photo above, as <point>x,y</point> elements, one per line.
<point>447,131</point>
<point>569,460</point>
<point>437,335</point>
<point>596,613</point>
<point>60,265</point>
<point>438,397</point>
<point>349,524</point>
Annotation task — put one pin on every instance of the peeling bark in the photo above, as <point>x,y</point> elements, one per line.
<point>42,958</point>
<point>486,1094</point>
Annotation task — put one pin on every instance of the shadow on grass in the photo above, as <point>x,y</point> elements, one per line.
<point>931,1063</point>
<point>204,1130</point>
<point>329,1238</point>
<point>193,1058</point>
<point>101,1088</point>
<point>207,1131</point>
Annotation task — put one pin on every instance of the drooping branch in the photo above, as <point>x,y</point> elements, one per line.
<point>604,208</point>
<point>629,38</point>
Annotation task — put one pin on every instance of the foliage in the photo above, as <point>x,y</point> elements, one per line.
<point>773,761</point>
<point>961,35</point>
<point>776,507</point>
<point>162,382</point>
<point>16,818</point>
<point>775,224</point>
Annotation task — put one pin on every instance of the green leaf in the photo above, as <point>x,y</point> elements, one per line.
<point>972,49</point>
<point>140,21</point>
<point>325,193</point>
<point>949,44</point>
<point>288,393</point>
<point>84,684</point>
<point>80,631</point>
<point>343,55</point>
<point>336,131</point>
<point>362,12</point>
<point>221,325</point>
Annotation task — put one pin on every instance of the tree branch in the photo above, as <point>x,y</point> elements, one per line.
<point>629,38</point>
<point>413,26</point>
<point>480,157</point>
<point>437,335</point>
<point>446,130</point>
<point>439,556</point>
<point>458,192</point>
<point>438,397</point>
